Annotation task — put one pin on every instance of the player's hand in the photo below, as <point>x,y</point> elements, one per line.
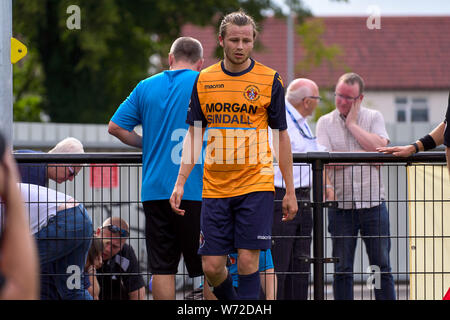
<point>400,151</point>
<point>289,206</point>
<point>175,199</point>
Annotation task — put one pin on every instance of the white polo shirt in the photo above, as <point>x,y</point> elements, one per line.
<point>41,204</point>
<point>302,140</point>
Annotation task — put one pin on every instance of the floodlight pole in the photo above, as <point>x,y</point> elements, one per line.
<point>290,45</point>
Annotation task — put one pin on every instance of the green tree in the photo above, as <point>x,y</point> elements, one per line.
<point>83,75</point>
<point>28,88</point>
<point>316,53</point>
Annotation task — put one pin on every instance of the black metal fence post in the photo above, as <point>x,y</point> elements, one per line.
<point>318,236</point>
<point>318,161</point>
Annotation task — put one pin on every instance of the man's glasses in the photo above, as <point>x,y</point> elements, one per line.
<point>346,97</point>
<point>314,97</point>
<point>116,229</point>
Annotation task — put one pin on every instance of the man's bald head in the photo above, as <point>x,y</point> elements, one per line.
<point>116,221</point>
<point>300,89</point>
<point>113,240</point>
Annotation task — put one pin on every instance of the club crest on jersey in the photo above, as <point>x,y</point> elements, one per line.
<point>251,93</point>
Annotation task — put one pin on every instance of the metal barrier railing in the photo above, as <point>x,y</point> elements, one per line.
<point>98,195</point>
<point>318,160</point>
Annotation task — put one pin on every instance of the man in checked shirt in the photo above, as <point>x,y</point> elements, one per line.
<point>358,189</point>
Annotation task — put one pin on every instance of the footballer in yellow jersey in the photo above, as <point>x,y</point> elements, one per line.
<point>237,110</point>
<point>237,100</point>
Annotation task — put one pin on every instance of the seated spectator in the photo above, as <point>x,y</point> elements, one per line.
<point>63,230</point>
<point>19,269</point>
<point>39,173</point>
<point>119,276</point>
<point>94,261</point>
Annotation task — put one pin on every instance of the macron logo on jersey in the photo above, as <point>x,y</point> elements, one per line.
<point>214,86</point>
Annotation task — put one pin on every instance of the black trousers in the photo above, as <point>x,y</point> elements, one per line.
<point>291,241</point>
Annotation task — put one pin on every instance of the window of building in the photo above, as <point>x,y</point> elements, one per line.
<point>419,110</point>
<point>411,109</point>
<point>400,104</point>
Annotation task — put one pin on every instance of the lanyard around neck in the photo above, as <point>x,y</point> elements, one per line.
<point>304,135</point>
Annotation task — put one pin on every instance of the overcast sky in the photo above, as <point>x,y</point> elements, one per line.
<point>385,7</point>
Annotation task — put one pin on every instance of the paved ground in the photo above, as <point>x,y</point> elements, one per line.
<point>361,292</point>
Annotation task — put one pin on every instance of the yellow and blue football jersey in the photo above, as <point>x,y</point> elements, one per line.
<point>237,109</point>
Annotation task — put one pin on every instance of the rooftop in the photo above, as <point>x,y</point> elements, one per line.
<point>406,53</point>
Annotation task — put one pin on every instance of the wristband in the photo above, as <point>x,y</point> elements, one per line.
<point>416,146</point>
<point>428,142</point>
<point>329,186</point>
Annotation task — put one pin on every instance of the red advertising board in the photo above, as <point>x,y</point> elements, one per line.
<point>103,175</point>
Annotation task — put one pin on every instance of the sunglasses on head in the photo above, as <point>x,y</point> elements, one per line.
<point>116,229</point>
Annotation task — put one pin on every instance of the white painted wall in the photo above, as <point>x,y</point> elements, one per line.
<point>96,137</point>
<point>402,133</point>
<point>405,133</point>
<point>384,101</point>
<point>42,136</point>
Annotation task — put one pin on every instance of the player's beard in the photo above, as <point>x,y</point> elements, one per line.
<point>236,61</point>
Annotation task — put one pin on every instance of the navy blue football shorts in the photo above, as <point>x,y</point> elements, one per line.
<point>241,222</point>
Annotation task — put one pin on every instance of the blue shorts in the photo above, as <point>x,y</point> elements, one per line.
<point>241,222</point>
<point>265,263</point>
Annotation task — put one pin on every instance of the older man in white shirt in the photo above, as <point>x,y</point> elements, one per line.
<point>292,239</point>
<point>63,230</point>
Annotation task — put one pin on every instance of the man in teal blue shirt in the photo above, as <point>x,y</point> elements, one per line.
<point>159,103</point>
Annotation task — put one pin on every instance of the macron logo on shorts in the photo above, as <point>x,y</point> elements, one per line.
<point>264,237</point>
<point>201,240</point>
